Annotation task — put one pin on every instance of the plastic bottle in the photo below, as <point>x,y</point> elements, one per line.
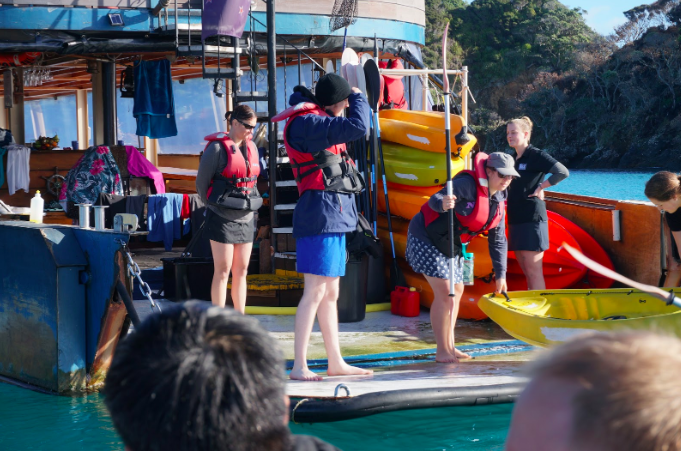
<point>468,267</point>
<point>37,204</point>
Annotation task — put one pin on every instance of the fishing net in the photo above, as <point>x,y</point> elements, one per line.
<point>344,14</point>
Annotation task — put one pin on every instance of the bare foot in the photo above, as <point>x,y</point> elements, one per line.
<point>304,374</point>
<point>445,357</point>
<point>346,370</point>
<point>462,355</point>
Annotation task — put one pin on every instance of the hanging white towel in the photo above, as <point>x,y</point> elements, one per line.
<point>18,168</point>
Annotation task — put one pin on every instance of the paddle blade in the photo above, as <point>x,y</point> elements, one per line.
<point>373,82</point>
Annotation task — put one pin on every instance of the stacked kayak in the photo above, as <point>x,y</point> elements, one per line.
<point>417,168</point>
<point>545,318</point>
<point>424,130</point>
<point>414,147</point>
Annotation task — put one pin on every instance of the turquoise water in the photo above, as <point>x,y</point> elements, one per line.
<point>609,184</point>
<point>448,428</point>
<point>35,421</point>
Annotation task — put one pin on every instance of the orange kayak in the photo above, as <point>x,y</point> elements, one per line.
<point>424,130</point>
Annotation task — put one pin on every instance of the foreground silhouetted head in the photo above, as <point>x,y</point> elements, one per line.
<point>198,377</point>
<point>605,392</point>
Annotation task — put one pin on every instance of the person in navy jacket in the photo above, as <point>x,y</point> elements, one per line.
<point>315,137</point>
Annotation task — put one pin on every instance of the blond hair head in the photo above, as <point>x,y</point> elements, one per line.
<point>524,124</point>
<point>627,397</point>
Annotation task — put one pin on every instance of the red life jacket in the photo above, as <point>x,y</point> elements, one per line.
<point>331,169</point>
<point>467,227</point>
<point>235,187</point>
<point>393,92</point>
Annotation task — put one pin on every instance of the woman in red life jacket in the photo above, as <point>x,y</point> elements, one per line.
<point>478,202</point>
<point>528,226</point>
<point>315,135</point>
<point>226,182</point>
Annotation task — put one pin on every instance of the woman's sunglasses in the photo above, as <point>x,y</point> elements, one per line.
<point>246,126</point>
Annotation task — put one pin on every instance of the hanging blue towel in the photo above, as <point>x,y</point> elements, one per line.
<point>154,105</point>
<point>163,218</point>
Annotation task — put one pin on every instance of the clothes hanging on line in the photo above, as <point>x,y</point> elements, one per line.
<point>18,168</point>
<point>163,218</point>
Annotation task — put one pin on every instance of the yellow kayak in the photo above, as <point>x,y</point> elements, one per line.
<point>423,130</point>
<point>546,318</point>
<point>415,167</point>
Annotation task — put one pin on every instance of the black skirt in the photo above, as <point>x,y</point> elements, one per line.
<point>528,236</point>
<point>224,231</point>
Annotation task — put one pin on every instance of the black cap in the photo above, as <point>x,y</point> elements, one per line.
<point>331,89</point>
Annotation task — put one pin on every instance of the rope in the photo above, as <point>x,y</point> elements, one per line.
<point>293,412</point>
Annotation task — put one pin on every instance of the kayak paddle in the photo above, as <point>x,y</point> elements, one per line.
<point>448,147</point>
<point>373,78</point>
<point>667,297</point>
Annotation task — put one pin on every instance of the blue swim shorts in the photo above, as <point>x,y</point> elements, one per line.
<point>322,255</point>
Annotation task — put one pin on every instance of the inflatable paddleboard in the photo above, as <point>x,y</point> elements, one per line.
<point>545,318</point>
<point>415,167</point>
<point>591,249</point>
<point>430,139</point>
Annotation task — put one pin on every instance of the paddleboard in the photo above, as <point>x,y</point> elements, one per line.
<point>430,139</point>
<point>415,167</point>
<point>591,249</point>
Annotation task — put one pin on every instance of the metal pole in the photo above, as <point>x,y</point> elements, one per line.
<point>300,70</point>
<point>464,107</point>
<point>109,98</point>
<point>272,109</point>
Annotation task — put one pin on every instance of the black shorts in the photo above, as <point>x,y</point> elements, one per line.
<point>528,236</point>
<point>224,231</point>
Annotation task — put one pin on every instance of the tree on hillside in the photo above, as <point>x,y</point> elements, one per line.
<point>642,18</point>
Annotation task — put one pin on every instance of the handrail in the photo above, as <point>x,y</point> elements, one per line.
<point>156,10</point>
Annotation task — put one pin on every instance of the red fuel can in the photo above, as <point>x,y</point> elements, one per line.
<point>405,302</point>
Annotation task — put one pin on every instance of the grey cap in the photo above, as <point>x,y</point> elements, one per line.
<point>503,163</point>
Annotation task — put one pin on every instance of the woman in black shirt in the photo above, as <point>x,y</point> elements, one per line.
<point>664,191</point>
<point>528,229</point>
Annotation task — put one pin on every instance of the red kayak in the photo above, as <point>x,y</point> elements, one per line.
<point>560,269</point>
<point>591,249</point>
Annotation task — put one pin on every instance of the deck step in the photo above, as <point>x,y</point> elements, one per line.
<point>282,230</point>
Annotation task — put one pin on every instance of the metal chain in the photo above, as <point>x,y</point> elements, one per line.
<point>135,271</point>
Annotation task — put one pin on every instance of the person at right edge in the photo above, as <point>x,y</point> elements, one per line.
<point>528,227</point>
<point>314,136</point>
<point>478,203</point>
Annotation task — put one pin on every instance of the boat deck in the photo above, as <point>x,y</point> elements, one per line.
<point>401,351</point>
